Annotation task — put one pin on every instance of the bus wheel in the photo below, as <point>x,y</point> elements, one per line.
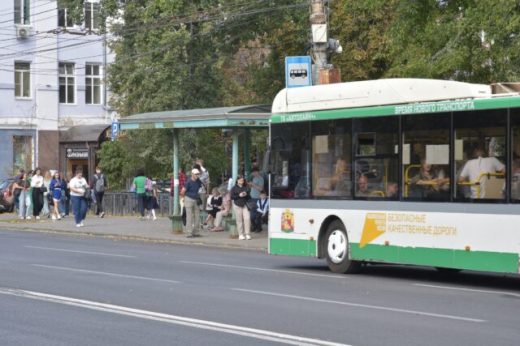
<point>337,250</point>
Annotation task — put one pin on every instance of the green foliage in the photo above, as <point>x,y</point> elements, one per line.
<point>186,54</point>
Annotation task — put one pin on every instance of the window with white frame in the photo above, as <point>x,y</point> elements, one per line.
<point>22,79</point>
<point>93,84</point>
<point>64,18</point>
<point>22,12</point>
<point>67,83</point>
<point>92,15</point>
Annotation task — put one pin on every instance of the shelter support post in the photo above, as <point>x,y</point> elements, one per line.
<point>247,152</point>
<point>231,224</point>
<point>176,217</point>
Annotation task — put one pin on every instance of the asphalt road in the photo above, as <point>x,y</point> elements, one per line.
<point>70,290</point>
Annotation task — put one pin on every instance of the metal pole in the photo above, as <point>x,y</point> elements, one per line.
<point>247,152</point>
<point>235,156</point>
<point>176,209</point>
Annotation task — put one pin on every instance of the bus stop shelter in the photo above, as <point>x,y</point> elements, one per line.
<point>235,119</point>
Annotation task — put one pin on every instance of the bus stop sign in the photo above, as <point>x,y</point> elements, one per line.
<point>298,71</point>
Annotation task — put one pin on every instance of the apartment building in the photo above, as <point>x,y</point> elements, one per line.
<point>53,99</point>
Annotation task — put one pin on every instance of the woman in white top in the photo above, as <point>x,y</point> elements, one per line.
<point>47,178</point>
<point>78,186</point>
<point>37,194</point>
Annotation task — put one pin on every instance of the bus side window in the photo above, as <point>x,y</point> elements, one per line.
<point>376,143</point>
<point>480,155</point>
<point>515,153</point>
<point>426,157</point>
<point>331,163</point>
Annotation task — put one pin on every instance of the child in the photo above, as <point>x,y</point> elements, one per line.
<point>151,202</point>
<point>262,212</point>
<point>216,205</point>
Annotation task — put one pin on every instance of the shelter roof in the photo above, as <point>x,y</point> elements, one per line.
<point>83,133</point>
<point>252,116</point>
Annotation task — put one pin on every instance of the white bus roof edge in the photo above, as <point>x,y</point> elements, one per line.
<point>374,93</point>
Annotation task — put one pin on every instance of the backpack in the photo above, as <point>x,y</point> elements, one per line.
<point>100,184</point>
<point>148,185</point>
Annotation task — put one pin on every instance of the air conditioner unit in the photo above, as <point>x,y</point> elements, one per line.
<point>22,31</point>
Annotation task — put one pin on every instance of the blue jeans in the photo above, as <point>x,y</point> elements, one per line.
<point>79,205</point>
<point>24,201</point>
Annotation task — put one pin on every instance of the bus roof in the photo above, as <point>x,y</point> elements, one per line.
<point>385,97</point>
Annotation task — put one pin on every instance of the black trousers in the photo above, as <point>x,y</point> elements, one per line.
<point>99,201</point>
<point>37,196</point>
<point>141,201</point>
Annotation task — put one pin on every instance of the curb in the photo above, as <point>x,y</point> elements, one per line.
<point>135,238</point>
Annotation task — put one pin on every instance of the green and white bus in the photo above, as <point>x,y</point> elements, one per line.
<point>408,171</point>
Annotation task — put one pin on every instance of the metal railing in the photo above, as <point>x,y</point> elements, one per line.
<point>125,204</point>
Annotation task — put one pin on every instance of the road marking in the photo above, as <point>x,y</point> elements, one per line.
<point>468,290</point>
<point>172,319</point>
<point>266,270</point>
<point>77,251</point>
<point>105,273</point>
<point>374,307</point>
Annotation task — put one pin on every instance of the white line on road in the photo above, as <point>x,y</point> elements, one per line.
<point>468,290</point>
<point>266,270</point>
<point>375,307</point>
<point>172,319</point>
<point>105,273</point>
<point>77,251</point>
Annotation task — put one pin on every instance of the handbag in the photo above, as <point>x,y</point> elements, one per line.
<point>251,204</point>
<point>88,193</point>
<point>43,189</point>
<point>199,200</point>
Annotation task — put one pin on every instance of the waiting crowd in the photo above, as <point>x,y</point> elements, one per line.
<point>49,196</point>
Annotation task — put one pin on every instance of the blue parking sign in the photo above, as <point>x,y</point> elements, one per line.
<point>114,130</point>
<point>298,71</point>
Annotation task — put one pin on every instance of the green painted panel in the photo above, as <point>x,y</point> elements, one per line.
<point>472,260</point>
<point>292,247</point>
<point>420,108</point>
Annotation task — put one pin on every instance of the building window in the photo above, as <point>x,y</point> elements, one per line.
<point>22,12</point>
<point>92,15</point>
<point>93,83</point>
<point>22,153</point>
<point>67,83</point>
<point>22,79</point>
<point>64,18</point>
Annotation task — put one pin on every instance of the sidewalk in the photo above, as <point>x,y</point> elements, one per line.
<point>131,228</point>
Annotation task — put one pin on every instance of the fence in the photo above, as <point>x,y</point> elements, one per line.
<point>125,203</point>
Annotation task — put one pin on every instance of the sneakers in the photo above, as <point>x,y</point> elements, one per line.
<point>78,225</point>
<point>241,237</point>
<point>54,217</point>
<point>248,237</point>
<point>37,217</point>
<point>102,215</point>
<point>28,217</point>
<point>59,217</point>
<point>81,224</point>
<point>154,218</point>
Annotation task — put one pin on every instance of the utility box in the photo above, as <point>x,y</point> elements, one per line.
<point>330,76</point>
<point>319,33</point>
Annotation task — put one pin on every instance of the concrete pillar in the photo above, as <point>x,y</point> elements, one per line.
<point>235,156</point>
<point>247,152</point>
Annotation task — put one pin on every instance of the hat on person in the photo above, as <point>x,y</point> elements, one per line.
<point>195,171</point>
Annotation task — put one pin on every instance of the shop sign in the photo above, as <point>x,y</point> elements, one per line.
<point>77,153</point>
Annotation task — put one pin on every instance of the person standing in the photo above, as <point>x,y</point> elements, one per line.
<point>262,212</point>
<point>139,185</point>
<point>240,195</point>
<point>190,194</point>
<point>204,178</point>
<point>56,191</point>
<point>16,199</point>
<point>151,202</point>
<point>37,194</point>
<point>100,183</point>
<point>78,186</point>
<point>256,185</point>
<point>182,181</point>
<point>47,178</point>
<point>24,200</point>
<point>474,168</point>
